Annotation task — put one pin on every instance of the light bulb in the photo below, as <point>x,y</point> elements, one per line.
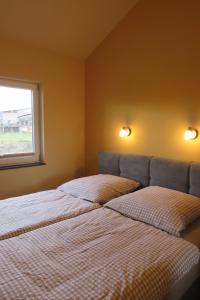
<point>190,134</point>
<point>124,131</point>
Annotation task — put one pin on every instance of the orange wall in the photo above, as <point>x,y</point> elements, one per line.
<point>146,74</point>
<point>62,82</point>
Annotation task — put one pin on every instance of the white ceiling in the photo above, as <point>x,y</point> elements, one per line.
<point>74,27</point>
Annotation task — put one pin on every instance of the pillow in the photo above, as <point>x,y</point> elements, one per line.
<point>166,209</point>
<point>99,188</point>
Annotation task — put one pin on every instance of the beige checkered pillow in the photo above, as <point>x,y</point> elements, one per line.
<point>163,208</point>
<point>99,188</point>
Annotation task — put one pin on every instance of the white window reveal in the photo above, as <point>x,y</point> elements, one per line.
<point>20,140</point>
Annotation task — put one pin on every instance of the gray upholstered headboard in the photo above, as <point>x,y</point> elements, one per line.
<point>148,170</point>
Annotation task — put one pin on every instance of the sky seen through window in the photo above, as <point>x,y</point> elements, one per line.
<point>14,98</point>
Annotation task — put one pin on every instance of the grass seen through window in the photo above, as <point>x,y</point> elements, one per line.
<point>13,142</point>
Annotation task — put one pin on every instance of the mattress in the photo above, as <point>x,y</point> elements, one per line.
<point>25,213</point>
<point>192,233</point>
<point>180,287</point>
<point>177,291</point>
<point>98,255</point>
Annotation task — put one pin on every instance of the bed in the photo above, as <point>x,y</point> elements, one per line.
<point>25,213</point>
<point>172,174</point>
<point>107,253</point>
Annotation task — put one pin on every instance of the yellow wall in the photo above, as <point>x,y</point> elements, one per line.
<point>62,82</point>
<point>146,74</point>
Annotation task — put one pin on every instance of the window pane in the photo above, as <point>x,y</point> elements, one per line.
<point>16,120</point>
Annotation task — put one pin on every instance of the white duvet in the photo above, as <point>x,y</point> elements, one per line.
<point>22,214</point>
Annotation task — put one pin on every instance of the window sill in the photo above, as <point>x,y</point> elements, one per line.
<point>22,166</point>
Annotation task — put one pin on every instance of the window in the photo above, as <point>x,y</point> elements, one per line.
<point>19,123</point>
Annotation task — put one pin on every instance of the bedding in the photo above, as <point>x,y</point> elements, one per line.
<point>25,213</point>
<point>166,209</point>
<point>98,255</point>
<point>99,188</point>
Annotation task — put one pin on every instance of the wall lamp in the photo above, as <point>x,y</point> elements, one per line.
<point>191,134</point>
<point>125,131</point>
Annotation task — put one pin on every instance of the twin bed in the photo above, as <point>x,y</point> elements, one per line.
<point>104,236</point>
<point>22,214</point>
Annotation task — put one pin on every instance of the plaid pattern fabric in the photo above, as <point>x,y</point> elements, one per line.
<point>98,255</point>
<point>25,213</point>
<point>99,188</point>
<point>163,208</point>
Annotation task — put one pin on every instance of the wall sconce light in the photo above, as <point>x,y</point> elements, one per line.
<point>190,134</point>
<point>125,131</point>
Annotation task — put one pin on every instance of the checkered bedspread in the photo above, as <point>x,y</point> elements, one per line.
<point>25,213</point>
<point>97,255</point>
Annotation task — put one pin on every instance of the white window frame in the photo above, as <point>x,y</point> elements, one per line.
<point>35,156</point>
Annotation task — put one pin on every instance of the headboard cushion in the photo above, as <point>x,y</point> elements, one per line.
<point>109,163</point>
<point>177,175</point>
<point>140,171</point>
<point>169,173</point>
<point>195,179</point>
